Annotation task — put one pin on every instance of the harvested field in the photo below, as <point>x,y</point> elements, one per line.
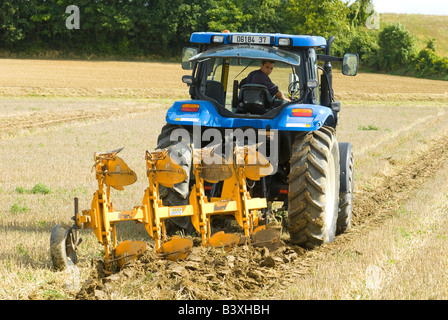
<point>55,114</point>
<point>83,79</point>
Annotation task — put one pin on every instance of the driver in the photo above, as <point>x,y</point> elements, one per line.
<point>261,76</point>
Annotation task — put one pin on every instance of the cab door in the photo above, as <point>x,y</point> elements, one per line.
<point>313,75</point>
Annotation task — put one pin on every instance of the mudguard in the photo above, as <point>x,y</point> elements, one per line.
<point>206,115</point>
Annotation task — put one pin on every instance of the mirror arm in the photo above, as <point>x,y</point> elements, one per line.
<point>327,58</point>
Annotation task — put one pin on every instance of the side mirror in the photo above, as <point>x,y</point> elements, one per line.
<point>312,84</point>
<point>350,64</point>
<point>187,79</point>
<point>188,53</point>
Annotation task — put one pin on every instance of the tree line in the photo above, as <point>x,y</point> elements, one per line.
<point>160,27</point>
<point>132,29</point>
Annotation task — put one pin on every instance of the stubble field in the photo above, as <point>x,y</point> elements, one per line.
<point>55,114</point>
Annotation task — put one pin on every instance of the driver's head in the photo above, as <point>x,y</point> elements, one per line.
<point>267,66</point>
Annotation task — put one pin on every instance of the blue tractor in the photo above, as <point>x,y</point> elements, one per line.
<point>311,172</point>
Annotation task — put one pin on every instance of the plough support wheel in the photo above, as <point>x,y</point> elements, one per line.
<point>62,247</point>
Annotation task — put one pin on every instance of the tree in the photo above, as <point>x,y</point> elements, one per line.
<point>266,16</point>
<point>359,12</point>
<point>428,63</point>
<point>316,17</point>
<point>227,15</point>
<point>15,25</point>
<point>365,44</point>
<point>396,47</point>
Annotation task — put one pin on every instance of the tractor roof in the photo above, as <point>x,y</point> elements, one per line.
<point>273,39</point>
<point>249,52</point>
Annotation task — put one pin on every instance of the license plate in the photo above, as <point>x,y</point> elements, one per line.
<point>251,39</point>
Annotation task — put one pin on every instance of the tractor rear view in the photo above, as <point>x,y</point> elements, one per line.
<point>231,151</point>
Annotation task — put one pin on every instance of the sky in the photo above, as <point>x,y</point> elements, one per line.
<point>432,7</point>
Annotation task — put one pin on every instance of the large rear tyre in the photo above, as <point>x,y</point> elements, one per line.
<point>178,141</point>
<point>62,253</point>
<point>313,196</point>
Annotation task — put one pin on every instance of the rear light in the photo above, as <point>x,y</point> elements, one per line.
<point>302,112</point>
<point>189,107</point>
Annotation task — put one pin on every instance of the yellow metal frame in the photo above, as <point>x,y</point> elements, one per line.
<point>161,169</point>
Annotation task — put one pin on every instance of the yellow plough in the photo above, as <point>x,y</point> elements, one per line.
<point>112,171</point>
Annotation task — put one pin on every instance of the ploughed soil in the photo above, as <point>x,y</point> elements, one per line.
<point>245,272</point>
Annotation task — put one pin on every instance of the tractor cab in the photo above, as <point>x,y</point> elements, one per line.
<point>221,61</point>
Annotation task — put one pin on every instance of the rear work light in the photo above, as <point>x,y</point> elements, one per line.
<point>302,112</point>
<point>189,107</point>
<point>218,39</point>
<point>284,42</point>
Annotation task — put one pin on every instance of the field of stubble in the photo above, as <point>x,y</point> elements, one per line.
<point>55,114</point>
